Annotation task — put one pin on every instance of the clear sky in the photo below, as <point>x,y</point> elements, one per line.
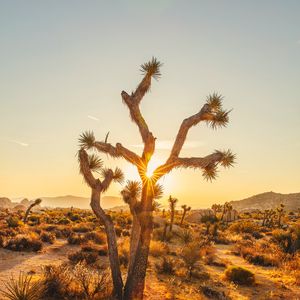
<point>64,64</point>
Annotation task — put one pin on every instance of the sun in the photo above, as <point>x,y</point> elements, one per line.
<point>152,165</point>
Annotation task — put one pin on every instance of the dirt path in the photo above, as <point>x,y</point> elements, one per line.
<point>270,283</point>
<point>11,262</point>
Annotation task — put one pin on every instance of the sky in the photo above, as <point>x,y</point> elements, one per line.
<point>65,63</point>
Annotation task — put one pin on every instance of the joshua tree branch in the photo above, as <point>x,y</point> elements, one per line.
<point>119,151</point>
<point>191,162</point>
<point>132,103</point>
<point>85,169</point>
<point>203,114</point>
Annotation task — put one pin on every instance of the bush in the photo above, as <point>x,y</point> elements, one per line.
<point>124,253</point>
<point>82,228</point>
<point>76,239</point>
<point>97,237</point>
<point>24,243</point>
<point>244,227</point>
<point>89,257</point>
<point>166,266</point>
<point>190,255</point>
<point>13,222</point>
<point>64,221</point>
<point>48,237</point>
<point>239,275</point>
<point>158,248</point>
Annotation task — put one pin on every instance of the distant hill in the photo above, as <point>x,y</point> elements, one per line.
<point>64,202</point>
<point>268,200</point>
<point>80,202</point>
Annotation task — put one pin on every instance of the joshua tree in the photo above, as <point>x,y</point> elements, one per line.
<point>216,208</point>
<point>280,212</point>
<point>210,113</point>
<point>185,210</point>
<point>30,207</point>
<point>89,164</point>
<point>172,205</point>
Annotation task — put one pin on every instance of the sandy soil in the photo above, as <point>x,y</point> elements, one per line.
<point>11,263</point>
<point>270,283</point>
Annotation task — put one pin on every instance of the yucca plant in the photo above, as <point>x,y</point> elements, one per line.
<point>172,206</point>
<point>22,288</point>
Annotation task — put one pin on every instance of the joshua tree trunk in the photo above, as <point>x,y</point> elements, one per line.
<point>135,283</point>
<point>182,218</point>
<point>36,202</point>
<point>111,242</point>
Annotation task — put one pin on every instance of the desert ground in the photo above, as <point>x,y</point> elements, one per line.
<point>206,255</point>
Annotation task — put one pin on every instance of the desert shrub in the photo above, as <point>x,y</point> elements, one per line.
<point>89,257</point>
<point>63,232</point>
<point>123,251</point>
<point>190,255</point>
<point>76,239</point>
<point>158,248</point>
<point>74,217</point>
<point>97,237</point>
<point>57,281</point>
<point>213,293</point>
<point>208,254</point>
<point>93,283</point>
<point>34,220</point>
<point>166,266</point>
<point>186,236</point>
<point>239,275</point>
<point>82,228</point>
<point>244,227</point>
<point>22,289</point>
<point>288,241</point>
<point>13,222</point>
<point>64,221</point>
<point>28,242</point>
<point>258,253</point>
<point>48,237</point>
<point>50,228</point>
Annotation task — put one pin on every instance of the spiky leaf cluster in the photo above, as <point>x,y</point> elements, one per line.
<point>152,68</point>
<point>158,191</point>
<point>215,102</point>
<point>131,192</point>
<point>228,158</point>
<point>95,163</point>
<point>87,140</point>
<point>210,172</point>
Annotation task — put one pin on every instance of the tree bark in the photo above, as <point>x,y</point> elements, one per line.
<point>112,244</point>
<point>134,287</point>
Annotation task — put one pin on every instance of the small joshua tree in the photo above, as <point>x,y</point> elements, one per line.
<point>30,207</point>
<point>185,210</point>
<point>172,206</point>
<point>210,113</point>
<point>280,213</point>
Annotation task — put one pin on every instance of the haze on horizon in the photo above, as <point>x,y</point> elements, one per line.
<point>65,63</point>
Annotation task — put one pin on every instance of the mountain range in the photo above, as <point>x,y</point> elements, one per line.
<point>261,201</point>
<point>268,200</point>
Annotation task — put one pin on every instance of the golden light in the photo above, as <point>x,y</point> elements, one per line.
<point>152,165</point>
